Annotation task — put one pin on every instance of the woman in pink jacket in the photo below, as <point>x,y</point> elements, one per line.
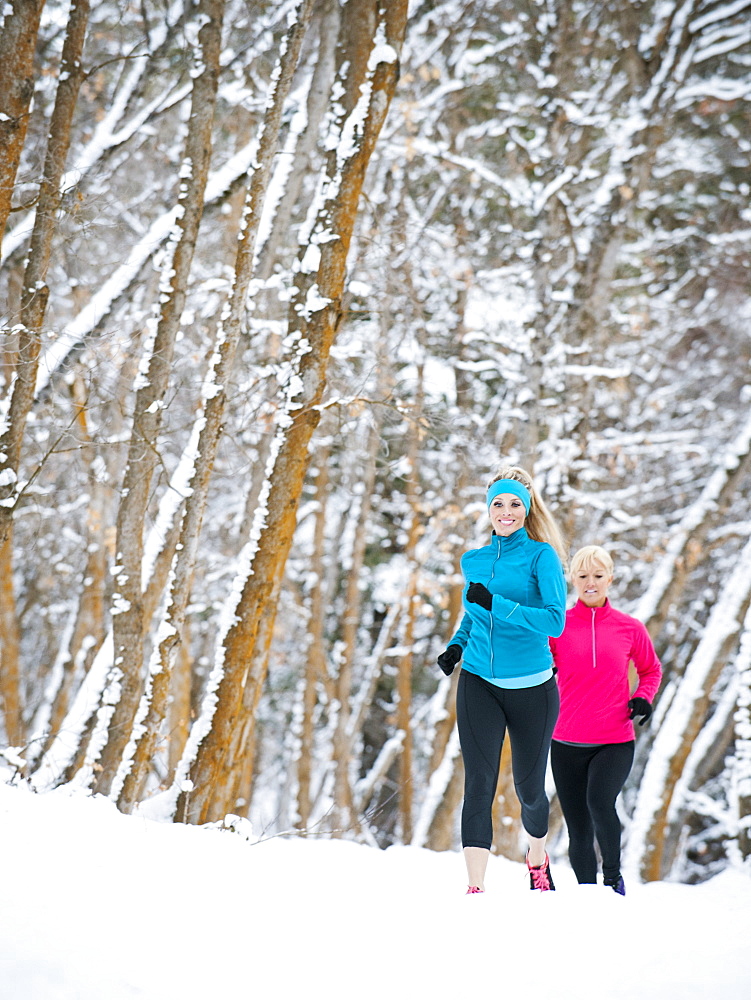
<point>593,741</point>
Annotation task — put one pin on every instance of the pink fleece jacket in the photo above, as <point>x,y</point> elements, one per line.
<point>592,656</point>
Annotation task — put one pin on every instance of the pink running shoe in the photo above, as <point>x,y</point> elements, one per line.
<point>539,876</point>
<point>473,888</point>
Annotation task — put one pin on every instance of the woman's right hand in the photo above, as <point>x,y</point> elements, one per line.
<point>640,709</point>
<point>449,658</point>
<point>478,593</point>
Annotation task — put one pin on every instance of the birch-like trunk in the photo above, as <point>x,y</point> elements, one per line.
<point>17,92</point>
<point>35,292</point>
<point>741,786</point>
<point>20,27</point>
<point>67,754</point>
<point>343,815</point>
<point>681,724</point>
<point>507,812</point>
<point>686,544</point>
<point>446,769</point>
<point>404,674</point>
<point>435,825</point>
<point>123,117</point>
<point>314,320</point>
<point>304,149</point>
<point>129,622</point>
<point>582,257</point>
<point>234,776</point>
<point>10,676</point>
<point>89,630</point>
<point>315,661</point>
<point>210,422</point>
<point>178,711</point>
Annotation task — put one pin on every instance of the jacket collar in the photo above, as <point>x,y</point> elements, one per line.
<point>513,541</point>
<point>581,610</point>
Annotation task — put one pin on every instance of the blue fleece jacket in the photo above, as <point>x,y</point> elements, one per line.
<point>526,580</point>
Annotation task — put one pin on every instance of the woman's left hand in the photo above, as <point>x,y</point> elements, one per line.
<point>478,593</point>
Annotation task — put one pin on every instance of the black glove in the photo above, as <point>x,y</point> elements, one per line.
<point>449,658</point>
<point>640,709</point>
<point>478,593</point>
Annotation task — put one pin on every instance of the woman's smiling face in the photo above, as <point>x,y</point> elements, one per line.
<point>507,514</point>
<point>592,583</point>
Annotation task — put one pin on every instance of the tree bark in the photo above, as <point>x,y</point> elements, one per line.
<point>314,320</point>
<point>18,38</point>
<point>210,421</point>
<point>506,809</point>
<point>234,778</point>
<point>89,628</point>
<point>35,292</point>
<point>343,815</point>
<point>129,621</point>
<point>742,762</point>
<point>178,715</point>
<point>683,721</point>
<point>69,749</point>
<point>17,91</point>
<point>10,675</point>
<point>686,544</point>
<point>404,675</point>
<point>442,830</point>
<point>315,660</point>
<point>303,162</point>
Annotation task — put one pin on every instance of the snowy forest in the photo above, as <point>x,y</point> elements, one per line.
<point>282,284</point>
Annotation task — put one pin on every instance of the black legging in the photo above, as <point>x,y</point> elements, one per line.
<point>588,780</point>
<point>484,712</point>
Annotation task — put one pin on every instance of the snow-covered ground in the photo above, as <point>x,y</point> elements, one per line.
<point>99,906</point>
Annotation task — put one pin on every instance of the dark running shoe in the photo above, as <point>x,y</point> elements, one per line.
<point>616,884</point>
<point>540,877</point>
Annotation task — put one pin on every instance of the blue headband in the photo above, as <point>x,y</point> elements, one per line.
<point>509,486</point>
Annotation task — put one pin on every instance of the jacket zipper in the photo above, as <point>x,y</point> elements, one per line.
<point>492,577</point>
<point>594,649</point>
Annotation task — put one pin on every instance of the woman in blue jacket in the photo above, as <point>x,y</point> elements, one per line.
<point>514,599</point>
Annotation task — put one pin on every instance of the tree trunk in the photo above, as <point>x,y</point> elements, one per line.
<point>89,628</point>
<point>507,812</point>
<point>234,777</point>
<point>18,38</point>
<point>434,827</point>
<point>210,422</point>
<point>313,323</point>
<point>10,681</point>
<point>343,817</point>
<point>302,166</point>
<point>35,291</point>
<point>17,91</point>
<point>687,541</point>
<point>315,661</point>
<point>682,723</point>
<point>742,761</point>
<point>68,749</point>
<point>442,830</point>
<point>404,676</point>
<point>129,621</point>
<point>178,716</point>
<point>446,749</point>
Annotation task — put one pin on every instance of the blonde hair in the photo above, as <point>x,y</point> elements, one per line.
<point>540,523</point>
<point>591,555</point>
